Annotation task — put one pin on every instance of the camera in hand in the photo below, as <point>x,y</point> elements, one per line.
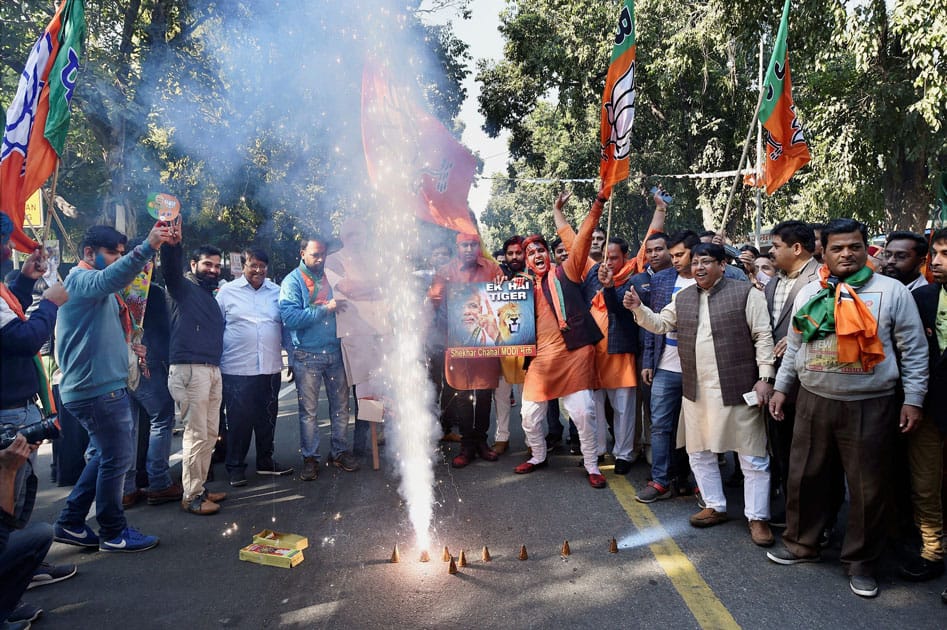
<point>45,429</point>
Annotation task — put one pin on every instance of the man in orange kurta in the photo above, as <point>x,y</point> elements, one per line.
<point>566,334</point>
<point>470,382</point>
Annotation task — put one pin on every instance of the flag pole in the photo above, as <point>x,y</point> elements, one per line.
<point>51,203</point>
<point>759,161</point>
<point>743,156</point>
<point>608,226</point>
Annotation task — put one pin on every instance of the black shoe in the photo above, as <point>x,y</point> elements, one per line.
<point>575,449</point>
<point>784,556</point>
<point>553,442</point>
<point>237,478</point>
<point>864,585</point>
<point>921,569</point>
<point>622,466</point>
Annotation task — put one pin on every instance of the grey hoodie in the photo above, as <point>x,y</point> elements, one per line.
<point>816,364</point>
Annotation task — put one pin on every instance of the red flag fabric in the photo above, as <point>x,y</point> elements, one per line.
<point>27,158</point>
<point>411,155</point>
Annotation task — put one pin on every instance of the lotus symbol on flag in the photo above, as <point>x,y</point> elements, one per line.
<point>620,109</point>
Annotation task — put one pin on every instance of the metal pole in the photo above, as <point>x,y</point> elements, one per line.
<point>759,160</point>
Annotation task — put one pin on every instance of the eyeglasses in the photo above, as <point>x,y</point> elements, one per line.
<point>256,266</point>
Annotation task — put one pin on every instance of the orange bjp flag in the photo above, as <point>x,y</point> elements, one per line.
<point>618,101</point>
<point>412,156</point>
<point>786,148</point>
<point>38,118</point>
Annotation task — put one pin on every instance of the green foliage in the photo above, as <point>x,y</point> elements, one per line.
<point>869,88</point>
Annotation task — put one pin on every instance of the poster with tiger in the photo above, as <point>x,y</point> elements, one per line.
<point>488,319</point>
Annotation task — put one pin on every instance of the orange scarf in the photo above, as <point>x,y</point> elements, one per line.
<point>123,313</point>
<point>630,267</point>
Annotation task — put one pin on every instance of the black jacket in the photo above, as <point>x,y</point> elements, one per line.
<point>935,403</point>
<point>197,325</point>
<point>20,341</point>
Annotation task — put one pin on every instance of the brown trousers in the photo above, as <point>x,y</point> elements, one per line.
<point>832,438</point>
<point>925,454</point>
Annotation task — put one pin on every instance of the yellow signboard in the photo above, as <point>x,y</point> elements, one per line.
<point>34,210</point>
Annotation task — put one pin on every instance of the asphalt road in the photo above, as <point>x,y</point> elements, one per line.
<point>665,574</point>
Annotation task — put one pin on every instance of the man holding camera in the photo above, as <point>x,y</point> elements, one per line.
<point>22,552</point>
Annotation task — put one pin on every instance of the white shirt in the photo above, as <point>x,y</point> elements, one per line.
<point>252,328</point>
<point>670,359</point>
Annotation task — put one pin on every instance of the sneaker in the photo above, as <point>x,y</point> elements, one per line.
<point>708,517</point>
<point>920,569</point>
<point>52,573</point>
<point>238,478</point>
<point>864,585</point>
<point>200,505</point>
<point>273,467</point>
<point>784,556</point>
<point>174,492</point>
<point>82,537</point>
<point>310,469</point>
<point>622,466</point>
<point>15,625</point>
<point>653,492</point>
<point>346,461</point>
<point>25,613</point>
<point>129,541</point>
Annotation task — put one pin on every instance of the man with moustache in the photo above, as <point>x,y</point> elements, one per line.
<point>511,368</point>
<point>566,334</point>
<point>856,335</point>
<point>902,257</point>
<point>250,366</point>
<point>926,443</point>
<point>470,382</point>
<point>793,245</point>
<point>197,340</point>
<point>307,307</point>
<point>726,350</point>
<point>661,371</point>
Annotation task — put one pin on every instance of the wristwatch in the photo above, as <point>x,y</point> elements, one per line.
<point>768,379</point>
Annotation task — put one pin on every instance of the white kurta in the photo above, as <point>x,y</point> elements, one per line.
<point>708,424</point>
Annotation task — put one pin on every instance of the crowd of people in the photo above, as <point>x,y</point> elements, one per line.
<point>805,362</point>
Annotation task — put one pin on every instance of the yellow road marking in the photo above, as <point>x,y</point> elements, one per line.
<point>703,603</point>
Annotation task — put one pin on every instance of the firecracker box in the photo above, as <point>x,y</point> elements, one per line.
<point>281,540</point>
<point>271,556</point>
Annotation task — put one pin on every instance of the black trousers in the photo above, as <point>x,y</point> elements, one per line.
<point>471,408</point>
<point>252,403</point>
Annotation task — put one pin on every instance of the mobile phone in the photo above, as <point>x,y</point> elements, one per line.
<point>664,195</point>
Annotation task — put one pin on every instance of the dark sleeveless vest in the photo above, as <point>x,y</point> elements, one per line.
<point>583,331</point>
<point>733,340</point>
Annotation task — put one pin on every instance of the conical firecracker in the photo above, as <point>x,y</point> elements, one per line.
<point>452,567</point>
<point>523,554</point>
<point>395,555</point>
<point>565,549</point>
<point>446,557</point>
<point>462,561</point>
<point>613,546</point>
<point>485,554</point>
<point>425,557</point>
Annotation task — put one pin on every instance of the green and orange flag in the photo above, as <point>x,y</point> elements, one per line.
<point>38,118</point>
<point>618,101</point>
<point>786,149</point>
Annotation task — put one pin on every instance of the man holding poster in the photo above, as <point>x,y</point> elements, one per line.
<point>470,381</point>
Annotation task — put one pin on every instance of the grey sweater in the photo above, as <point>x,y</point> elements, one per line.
<point>816,364</point>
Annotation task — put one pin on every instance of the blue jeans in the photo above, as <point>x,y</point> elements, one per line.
<point>153,397</point>
<point>24,552</point>
<point>108,421</point>
<point>666,392</point>
<point>311,370</point>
